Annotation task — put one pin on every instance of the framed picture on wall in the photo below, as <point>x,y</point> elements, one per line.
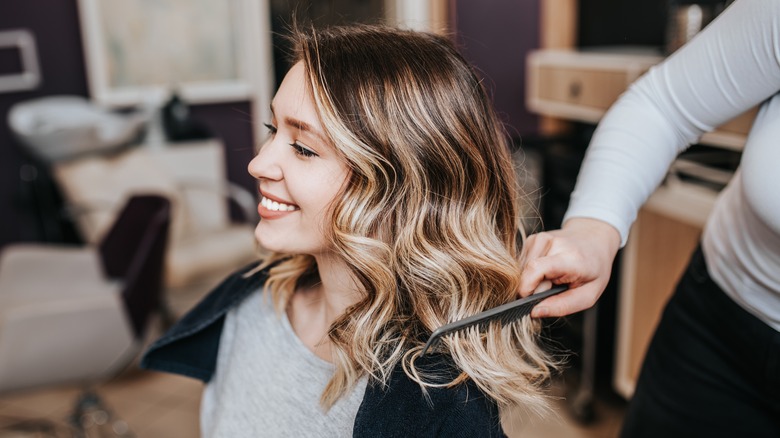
<point>208,51</point>
<point>19,69</point>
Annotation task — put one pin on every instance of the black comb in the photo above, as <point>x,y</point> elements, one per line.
<point>505,313</point>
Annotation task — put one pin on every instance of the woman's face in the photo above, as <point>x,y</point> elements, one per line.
<point>299,173</point>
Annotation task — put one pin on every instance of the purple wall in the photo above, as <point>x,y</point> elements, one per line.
<point>496,35</point>
<point>55,25</point>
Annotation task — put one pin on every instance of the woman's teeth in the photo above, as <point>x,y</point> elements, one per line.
<point>276,206</point>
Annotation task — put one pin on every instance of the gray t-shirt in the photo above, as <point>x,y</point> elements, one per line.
<point>268,383</point>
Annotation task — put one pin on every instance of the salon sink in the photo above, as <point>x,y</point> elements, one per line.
<point>57,128</point>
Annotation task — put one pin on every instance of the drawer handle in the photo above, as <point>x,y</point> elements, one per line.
<point>575,89</point>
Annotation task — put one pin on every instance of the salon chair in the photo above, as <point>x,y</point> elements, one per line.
<point>81,314</point>
<point>204,240</point>
<point>87,162</point>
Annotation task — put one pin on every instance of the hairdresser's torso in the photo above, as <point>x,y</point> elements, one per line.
<point>741,241</point>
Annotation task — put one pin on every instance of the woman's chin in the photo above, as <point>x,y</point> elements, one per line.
<point>270,242</point>
<point>286,240</point>
<point>262,239</point>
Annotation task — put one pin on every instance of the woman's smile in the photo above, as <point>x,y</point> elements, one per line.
<point>271,207</point>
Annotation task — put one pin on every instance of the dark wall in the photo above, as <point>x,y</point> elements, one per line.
<point>496,36</point>
<point>622,22</point>
<point>55,25</point>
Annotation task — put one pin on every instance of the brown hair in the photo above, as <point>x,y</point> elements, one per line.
<point>429,219</point>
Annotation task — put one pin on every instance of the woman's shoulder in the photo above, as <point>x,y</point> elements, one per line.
<point>190,346</point>
<point>230,291</point>
<point>401,408</point>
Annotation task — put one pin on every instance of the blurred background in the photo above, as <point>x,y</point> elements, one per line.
<point>138,118</point>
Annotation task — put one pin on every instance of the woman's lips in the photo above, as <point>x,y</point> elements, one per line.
<point>272,208</point>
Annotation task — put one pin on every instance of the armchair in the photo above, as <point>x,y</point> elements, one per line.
<point>191,175</point>
<point>70,314</point>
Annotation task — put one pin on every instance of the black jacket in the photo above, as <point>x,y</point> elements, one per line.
<point>397,410</point>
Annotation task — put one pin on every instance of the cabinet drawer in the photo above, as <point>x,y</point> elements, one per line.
<point>594,89</point>
<point>581,85</point>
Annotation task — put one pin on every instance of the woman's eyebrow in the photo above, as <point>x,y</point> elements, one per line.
<point>301,125</point>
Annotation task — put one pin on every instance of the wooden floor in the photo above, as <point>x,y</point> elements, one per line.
<point>156,405</point>
<point>152,405</point>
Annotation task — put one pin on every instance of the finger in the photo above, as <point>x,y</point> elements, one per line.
<point>532,276</point>
<point>537,270</point>
<point>566,303</point>
<point>536,246</point>
<point>544,285</point>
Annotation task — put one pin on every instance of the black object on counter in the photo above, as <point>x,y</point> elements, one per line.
<point>179,125</point>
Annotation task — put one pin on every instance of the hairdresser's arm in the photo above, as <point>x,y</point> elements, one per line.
<point>733,65</point>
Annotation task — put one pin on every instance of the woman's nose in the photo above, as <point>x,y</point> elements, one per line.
<point>266,164</point>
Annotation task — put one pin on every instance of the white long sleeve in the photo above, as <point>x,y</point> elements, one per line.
<point>731,66</point>
<point>728,68</point>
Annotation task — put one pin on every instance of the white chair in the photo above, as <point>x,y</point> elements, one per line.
<point>204,241</point>
<point>80,314</point>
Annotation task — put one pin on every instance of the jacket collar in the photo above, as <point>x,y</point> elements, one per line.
<point>190,347</point>
<point>224,297</point>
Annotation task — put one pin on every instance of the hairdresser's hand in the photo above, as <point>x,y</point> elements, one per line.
<point>580,254</point>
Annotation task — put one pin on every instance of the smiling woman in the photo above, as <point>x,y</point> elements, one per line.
<point>389,207</point>
<point>299,173</point>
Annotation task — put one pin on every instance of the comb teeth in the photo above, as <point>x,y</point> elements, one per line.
<point>505,319</point>
<point>513,315</point>
<point>504,314</point>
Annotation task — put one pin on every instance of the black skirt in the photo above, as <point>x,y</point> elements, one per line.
<point>711,370</point>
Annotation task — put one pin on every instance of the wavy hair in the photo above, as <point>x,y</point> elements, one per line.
<point>428,221</point>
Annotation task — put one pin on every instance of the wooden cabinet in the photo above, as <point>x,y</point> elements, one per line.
<point>581,85</point>
<point>665,234</point>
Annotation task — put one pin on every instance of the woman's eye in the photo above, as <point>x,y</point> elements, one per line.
<point>271,128</point>
<point>303,151</point>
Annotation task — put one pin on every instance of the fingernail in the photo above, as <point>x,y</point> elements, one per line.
<point>541,312</point>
